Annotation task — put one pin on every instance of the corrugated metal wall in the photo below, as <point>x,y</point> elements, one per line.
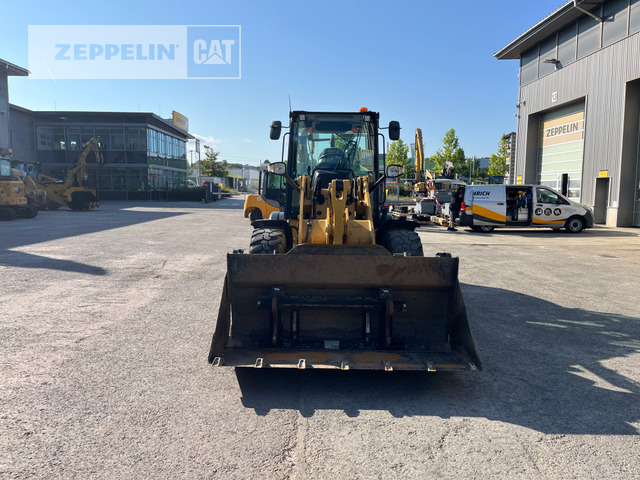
<point>601,80</point>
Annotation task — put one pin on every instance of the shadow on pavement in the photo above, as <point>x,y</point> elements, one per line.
<point>54,225</point>
<point>595,232</point>
<point>26,260</point>
<point>545,369</point>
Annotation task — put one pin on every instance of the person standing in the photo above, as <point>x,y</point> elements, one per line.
<point>454,208</point>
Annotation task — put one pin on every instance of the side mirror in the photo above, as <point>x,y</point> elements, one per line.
<point>277,168</point>
<point>393,171</point>
<point>394,130</point>
<point>274,131</point>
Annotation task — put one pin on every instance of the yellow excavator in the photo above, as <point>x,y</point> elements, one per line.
<point>420,187</point>
<point>13,203</point>
<point>332,281</point>
<point>70,193</point>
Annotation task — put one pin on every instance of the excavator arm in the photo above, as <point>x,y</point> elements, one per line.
<point>77,175</point>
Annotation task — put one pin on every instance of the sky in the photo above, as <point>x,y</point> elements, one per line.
<point>427,64</point>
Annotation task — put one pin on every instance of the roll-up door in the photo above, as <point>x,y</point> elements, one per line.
<point>560,149</point>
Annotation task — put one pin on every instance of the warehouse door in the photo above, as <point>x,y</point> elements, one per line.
<point>636,209</point>
<point>560,149</point>
<point>602,201</point>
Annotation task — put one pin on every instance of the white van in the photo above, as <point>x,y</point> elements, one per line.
<point>488,206</point>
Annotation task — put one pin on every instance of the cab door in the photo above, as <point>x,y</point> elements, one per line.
<point>550,208</point>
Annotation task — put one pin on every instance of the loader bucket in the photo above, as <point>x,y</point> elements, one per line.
<point>343,307</point>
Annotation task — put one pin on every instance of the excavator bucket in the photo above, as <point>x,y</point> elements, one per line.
<point>343,307</point>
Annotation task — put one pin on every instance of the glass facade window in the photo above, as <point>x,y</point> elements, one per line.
<point>102,135</point>
<point>547,52</point>
<point>87,134</point>
<point>529,66</point>
<point>588,36</point>
<point>614,27</point>
<point>58,138</point>
<point>567,44</point>
<point>73,137</point>
<point>136,139</point>
<point>127,151</point>
<point>117,138</point>
<point>634,17</point>
<point>44,138</point>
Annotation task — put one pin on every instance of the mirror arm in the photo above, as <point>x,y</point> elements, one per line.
<point>291,181</point>
<point>377,183</point>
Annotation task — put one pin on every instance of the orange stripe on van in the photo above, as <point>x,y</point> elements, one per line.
<point>537,221</point>
<point>487,213</point>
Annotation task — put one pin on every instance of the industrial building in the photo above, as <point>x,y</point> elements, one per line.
<point>578,109</point>
<point>142,151</point>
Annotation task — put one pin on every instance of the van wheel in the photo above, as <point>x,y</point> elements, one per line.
<point>268,241</point>
<point>574,225</point>
<point>484,228</point>
<point>401,241</point>
<point>255,214</point>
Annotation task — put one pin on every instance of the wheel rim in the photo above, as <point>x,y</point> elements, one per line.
<point>575,225</point>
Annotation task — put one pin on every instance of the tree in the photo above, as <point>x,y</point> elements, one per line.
<point>398,155</point>
<point>211,167</point>
<point>450,152</point>
<point>499,161</point>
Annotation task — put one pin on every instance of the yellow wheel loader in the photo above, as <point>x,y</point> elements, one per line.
<point>13,203</point>
<point>333,281</point>
<point>270,196</point>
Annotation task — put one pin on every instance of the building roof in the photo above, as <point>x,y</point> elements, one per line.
<point>72,117</point>
<point>12,69</point>
<point>549,25</point>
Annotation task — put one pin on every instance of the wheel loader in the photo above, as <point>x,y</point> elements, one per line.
<point>332,281</point>
<point>13,203</point>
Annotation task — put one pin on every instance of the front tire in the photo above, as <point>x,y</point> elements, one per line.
<point>401,241</point>
<point>484,228</point>
<point>574,225</point>
<point>268,241</point>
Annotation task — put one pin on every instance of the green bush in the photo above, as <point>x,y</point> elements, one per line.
<point>186,194</point>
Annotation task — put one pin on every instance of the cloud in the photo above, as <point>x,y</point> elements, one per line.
<point>246,140</point>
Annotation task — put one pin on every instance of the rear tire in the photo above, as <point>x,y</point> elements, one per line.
<point>267,241</point>
<point>401,241</point>
<point>574,225</point>
<point>255,214</point>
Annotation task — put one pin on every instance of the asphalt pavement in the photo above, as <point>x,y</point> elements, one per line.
<point>106,318</point>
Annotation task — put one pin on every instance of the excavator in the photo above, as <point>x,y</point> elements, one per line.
<point>13,203</point>
<point>332,281</point>
<point>70,193</point>
<point>420,187</point>
<point>423,205</point>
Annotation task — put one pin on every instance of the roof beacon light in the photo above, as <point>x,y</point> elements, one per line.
<point>364,109</point>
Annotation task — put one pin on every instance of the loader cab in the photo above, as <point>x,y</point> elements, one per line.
<point>327,146</point>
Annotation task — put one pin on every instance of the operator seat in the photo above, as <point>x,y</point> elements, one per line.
<point>332,164</point>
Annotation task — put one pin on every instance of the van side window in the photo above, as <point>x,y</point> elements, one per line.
<point>548,196</point>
